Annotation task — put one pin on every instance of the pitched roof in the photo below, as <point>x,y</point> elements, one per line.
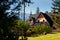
<point>37,15</point>
<point>48,18</point>
<point>49,14</point>
<point>34,15</point>
<point>40,15</point>
<point>46,15</point>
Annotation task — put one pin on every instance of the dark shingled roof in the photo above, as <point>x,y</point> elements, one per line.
<point>34,15</point>
<point>48,18</point>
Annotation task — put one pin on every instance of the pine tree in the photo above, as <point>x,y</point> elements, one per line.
<point>7,22</point>
<point>30,13</point>
<point>37,11</point>
<point>24,3</point>
<point>56,5</point>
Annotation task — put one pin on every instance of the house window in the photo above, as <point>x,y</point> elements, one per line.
<point>43,20</point>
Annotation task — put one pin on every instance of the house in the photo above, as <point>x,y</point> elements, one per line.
<point>40,18</point>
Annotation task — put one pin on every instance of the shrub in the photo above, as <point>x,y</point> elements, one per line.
<point>40,28</point>
<point>23,27</point>
<point>43,28</point>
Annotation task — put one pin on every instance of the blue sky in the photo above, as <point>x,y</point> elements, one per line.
<point>44,5</point>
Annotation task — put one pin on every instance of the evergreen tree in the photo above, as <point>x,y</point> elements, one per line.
<point>8,19</point>
<point>56,5</point>
<point>30,13</point>
<point>24,3</point>
<point>7,22</point>
<point>37,11</point>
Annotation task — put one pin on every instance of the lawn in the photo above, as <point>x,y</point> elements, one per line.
<point>55,36</point>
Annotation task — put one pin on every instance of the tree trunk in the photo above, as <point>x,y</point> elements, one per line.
<point>24,12</point>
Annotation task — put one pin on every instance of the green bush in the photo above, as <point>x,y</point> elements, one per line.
<point>22,28</point>
<point>40,28</point>
<point>43,28</point>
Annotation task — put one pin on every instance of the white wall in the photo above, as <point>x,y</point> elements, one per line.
<point>31,22</point>
<point>41,19</point>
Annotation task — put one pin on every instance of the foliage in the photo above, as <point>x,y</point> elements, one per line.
<point>8,19</point>
<point>22,28</point>
<point>56,19</point>
<point>39,29</point>
<point>7,22</point>
<point>56,5</point>
<point>22,24</point>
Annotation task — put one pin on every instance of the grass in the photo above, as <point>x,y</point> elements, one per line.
<point>54,36</point>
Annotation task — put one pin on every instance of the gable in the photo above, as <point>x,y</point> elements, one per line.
<point>40,16</point>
